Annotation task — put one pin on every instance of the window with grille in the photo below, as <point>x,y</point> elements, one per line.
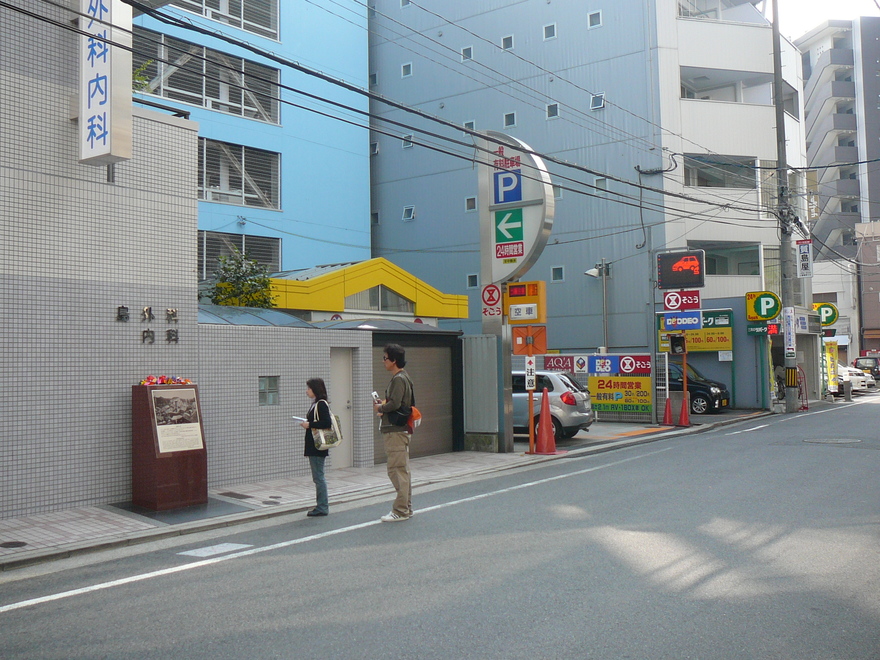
<point>257,16</point>
<point>183,71</point>
<point>269,390</point>
<point>234,174</point>
<point>213,244</point>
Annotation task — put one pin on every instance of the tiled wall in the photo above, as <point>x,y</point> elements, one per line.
<point>75,247</point>
<point>248,442</point>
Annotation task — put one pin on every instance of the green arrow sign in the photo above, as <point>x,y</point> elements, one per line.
<point>508,226</point>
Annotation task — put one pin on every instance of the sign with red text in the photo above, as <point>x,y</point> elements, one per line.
<point>491,299</point>
<point>675,301</point>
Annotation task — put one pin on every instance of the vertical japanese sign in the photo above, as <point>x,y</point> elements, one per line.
<point>104,82</point>
<point>805,258</point>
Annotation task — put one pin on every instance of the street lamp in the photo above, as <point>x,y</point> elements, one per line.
<point>602,270</point>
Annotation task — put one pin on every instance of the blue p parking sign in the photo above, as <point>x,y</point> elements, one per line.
<point>508,186</point>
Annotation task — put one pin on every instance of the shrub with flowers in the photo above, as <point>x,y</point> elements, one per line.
<point>165,380</point>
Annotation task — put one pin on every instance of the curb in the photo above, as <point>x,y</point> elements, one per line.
<point>232,520</point>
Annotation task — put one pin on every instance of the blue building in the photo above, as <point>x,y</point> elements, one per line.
<point>280,176</point>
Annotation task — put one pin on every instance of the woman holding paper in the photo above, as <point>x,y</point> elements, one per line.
<point>318,417</point>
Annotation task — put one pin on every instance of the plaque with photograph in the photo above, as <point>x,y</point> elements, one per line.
<point>169,466</point>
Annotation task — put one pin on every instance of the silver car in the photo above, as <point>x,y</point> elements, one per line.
<point>570,406</point>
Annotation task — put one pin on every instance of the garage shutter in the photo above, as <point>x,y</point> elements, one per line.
<point>431,371</point>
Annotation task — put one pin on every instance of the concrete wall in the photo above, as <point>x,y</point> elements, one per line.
<point>76,247</point>
<point>248,442</point>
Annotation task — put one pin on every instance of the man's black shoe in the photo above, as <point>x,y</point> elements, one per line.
<point>315,512</point>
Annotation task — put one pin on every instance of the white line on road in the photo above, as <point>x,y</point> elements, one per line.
<point>286,544</point>
<point>212,550</point>
<point>763,426</point>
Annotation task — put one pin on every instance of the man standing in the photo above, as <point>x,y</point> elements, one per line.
<point>395,411</point>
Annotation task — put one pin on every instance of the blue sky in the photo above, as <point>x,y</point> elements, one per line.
<point>797,17</point>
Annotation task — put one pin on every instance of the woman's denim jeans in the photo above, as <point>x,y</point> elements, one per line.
<point>317,465</point>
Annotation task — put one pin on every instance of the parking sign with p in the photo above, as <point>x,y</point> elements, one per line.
<point>508,186</point>
<point>762,305</point>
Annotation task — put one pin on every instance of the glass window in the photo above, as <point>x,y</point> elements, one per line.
<point>594,19</point>
<point>552,111</point>
<point>470,203</point>
<point>712,171</point>
<point>509,119</point>
<point>265,250</point>
<point>550,31</point>
<point>557,274</point>
<point>467,53</point>
<point>183,71</point>
<point>406,70</point>
<point>379,298</point>
<point>507,42</point>
<point>235,174</point>
<point>473,281</point>
<point>268,390</point>
<point>257,16</point>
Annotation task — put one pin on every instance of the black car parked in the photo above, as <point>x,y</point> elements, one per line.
<point>706,395</point>
<point>870,365</point>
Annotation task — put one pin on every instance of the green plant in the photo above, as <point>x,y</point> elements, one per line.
<point>140,81</point>
<point>242,281</point>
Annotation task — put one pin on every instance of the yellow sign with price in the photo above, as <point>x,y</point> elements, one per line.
<point>620,393</point>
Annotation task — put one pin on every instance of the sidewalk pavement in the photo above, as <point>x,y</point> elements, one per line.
<point>61,534</point>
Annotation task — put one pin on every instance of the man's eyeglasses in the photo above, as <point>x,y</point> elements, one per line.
<point>385,358</point>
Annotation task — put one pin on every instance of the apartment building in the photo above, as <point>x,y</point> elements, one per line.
<point>665,107</point>
<point>279,176</point>
<point>841,92</point>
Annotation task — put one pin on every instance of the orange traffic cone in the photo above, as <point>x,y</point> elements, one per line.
<point>667,413</point>
<point>546,443</point>
<point>684,418</point>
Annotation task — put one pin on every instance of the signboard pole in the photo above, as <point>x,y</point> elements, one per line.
<point>516,216</point>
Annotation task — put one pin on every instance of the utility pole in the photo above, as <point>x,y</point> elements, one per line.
<point>785,215</point>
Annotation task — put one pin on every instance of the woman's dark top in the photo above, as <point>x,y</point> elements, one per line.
<point>319,421</point>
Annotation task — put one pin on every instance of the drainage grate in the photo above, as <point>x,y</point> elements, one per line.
<point>833,441</point>
<point>237,496</point>
<point>13,544</point>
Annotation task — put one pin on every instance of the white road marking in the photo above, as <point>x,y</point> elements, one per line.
<point>212,550</point>
<point>286,544</point>
<point>763,426</point>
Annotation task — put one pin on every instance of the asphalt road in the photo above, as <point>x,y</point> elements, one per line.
<point>757,541</point>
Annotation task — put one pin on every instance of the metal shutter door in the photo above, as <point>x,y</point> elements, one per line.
<point>431,371</point>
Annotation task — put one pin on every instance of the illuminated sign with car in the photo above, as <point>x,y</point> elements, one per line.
<point>681,270</point>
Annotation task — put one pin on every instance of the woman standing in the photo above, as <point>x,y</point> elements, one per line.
<point>318,417</point>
